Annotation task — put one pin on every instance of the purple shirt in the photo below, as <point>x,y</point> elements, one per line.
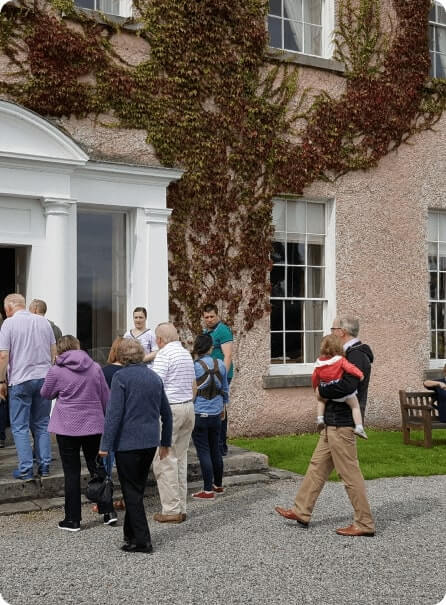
<point>82,395</point>
<point>27,338</point>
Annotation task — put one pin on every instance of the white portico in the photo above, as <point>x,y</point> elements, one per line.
<point>90,238</point>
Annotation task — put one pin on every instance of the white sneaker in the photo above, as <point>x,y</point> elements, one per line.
<point>361,433</point>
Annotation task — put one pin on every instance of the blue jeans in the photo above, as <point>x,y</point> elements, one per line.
<point>29,411</point>
<point>206,436</point>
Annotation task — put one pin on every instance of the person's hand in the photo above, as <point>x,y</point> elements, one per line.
<point>4,390</point>
<point>442,385</point>
<point>163,452</point>
<point>102,454</point>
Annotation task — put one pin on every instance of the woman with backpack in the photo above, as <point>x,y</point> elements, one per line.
<point>212,395</point>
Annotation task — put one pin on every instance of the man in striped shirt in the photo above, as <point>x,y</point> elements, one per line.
<point>175,367</point>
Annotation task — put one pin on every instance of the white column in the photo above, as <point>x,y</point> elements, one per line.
<point>157,264</point>
<point>59,274</point>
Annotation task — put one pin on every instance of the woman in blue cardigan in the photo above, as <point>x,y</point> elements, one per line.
<point>132,431</point>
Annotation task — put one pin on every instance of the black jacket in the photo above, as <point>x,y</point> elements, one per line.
<point>336,412</point>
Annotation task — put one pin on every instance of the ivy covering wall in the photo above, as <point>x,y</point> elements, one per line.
<point>213,102</point>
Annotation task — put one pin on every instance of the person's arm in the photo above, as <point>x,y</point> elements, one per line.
<point>153,348</point>
<point>349,368</point>
<point>150,356</point>
<point>53,353</point>
<point>104,390</point>
<point>194,388</point>
<point>4,360</point>
<point>225,386</point>
<point>166,422</point>
<point>315,380</point>
<point>50,388</point>
<point>348,384</point>
<point>226,348</point>
<point>433,384</point>
<point>113,415</point>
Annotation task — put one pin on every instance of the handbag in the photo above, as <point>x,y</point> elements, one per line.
<point>100,487</point>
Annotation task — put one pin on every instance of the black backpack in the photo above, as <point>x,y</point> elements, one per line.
<point>211,390</point>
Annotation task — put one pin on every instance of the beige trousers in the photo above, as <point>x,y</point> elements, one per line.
<point>336,449</point>
<point>171,473</point>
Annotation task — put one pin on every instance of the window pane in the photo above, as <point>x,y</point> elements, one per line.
<point>315,284</point>
<point>441,316</point>
<point>277,348</point>
<point>276,315</point>
<point>295,254</point>
<point>433,345</point>
<point>432,227</point>
<point>292,9</point>
<point>314,315</point>
<point>294,347</point>
<point>275,32</point>
<point>440,66</point>
<point>442,257</point>
<point>313,40</point>
<point>313,344</point>
<point>442,227</point>
<point>278,281</point>
<point>313,11</point>
<point>441,14</point>
<point>433,307</point>
<point>432,13</point>
<point>294,315</point>
<point>295,217</point>
<point>110,7</point>
<point>316,255</point>
<point>440,39</point>
<point>278,252</point>
<point>440,345</point>
<point>275,7</point>
<point>85,4</point>
<point>442,280</point>
<point>296,282</point>
<point>292,35</point>
<point>315,218</point>
<point>433,284</point>
<point>432,256</point>
<point>279,210</point>
<point>431,37</point>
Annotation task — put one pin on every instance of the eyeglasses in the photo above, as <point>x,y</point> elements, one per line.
<point>336,328</point>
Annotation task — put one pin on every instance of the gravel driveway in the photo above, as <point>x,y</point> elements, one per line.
<point>237,550</point>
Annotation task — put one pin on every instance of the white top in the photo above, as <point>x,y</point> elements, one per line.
<point>146,339</point>
<point>175,367</point>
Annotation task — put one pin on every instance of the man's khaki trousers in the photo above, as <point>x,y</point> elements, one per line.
<point>336,449</point>
<point>171,473</point>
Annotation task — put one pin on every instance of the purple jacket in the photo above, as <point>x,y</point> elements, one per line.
<point>82,395</point>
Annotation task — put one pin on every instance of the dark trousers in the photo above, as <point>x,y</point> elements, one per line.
<point>3,418</point>
<point>224,430</point>
<point>133,469</point>
<point>206,437</point>
<point>69,448</point>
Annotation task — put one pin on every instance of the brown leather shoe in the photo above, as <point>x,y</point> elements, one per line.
<point>352,530</point>
<point>183,516</point>
<point>288,513</point>
<point>168,518</point>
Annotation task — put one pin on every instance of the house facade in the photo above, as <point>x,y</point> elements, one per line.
<point>83,225</point>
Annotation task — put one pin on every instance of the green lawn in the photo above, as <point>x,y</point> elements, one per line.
<point>382,455</point>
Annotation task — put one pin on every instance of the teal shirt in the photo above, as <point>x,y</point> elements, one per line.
<point>220,334</point>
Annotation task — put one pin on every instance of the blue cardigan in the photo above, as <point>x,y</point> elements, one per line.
<point>132,420</point>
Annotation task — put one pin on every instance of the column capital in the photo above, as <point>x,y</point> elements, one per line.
<point>157,215</point>
<point>52,205</point>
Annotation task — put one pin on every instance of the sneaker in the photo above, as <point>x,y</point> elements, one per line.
<point>218,490</point>
<point>204,495</point>
<point>70,525</point>
<point>23,476</point>
<point>110,518</point>
<point>361,433</point>
<point>44,470</point>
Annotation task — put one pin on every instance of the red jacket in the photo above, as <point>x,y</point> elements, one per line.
<point>327,369</point>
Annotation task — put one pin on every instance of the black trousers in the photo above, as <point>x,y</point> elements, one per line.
<point>133,468</point>
<point>69,448</point>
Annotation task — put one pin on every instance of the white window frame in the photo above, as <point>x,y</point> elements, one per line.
<point>434,26</point>
<point>438,362</point>
<point>328,25</point>
<point>125,8</point>
<point>329,308</point>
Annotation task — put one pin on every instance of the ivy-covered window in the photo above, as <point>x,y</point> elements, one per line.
<point>301,26</point>
<point>437,40</point>
<point>298,281</point>
<point>437,281</point>
<point>119,8</point>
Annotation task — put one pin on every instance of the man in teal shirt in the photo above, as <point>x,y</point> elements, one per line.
<point>222,341</point>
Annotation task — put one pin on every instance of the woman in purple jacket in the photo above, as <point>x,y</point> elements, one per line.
<point>77,420</point>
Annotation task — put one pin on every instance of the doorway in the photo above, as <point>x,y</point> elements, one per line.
<point>13,263</point>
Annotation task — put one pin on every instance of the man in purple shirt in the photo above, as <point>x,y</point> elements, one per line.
<point>27,350</point>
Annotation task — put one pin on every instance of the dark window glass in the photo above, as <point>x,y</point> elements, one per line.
<point>433,308</point>
<point>85,4</point>
<point>433,346</point>
<point>442,294</point>
<point>295,253</point>
<point>277,348</point>
<point>278,252</point>
<point>275,7</point>
<point>440,345</point>
<point>293,315</point>
<point>296,282</point>
<point>294,347</point>
<point>292,32</point>
<point>278,282</point>
<point>433,284</point>
<point>276,315</point>
<point>315,255</point>
<point>441,325</point>
<point>275,32</point>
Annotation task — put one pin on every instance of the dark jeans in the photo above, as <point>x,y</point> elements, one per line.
<point>3,418</point>
<point>224,430</point>
<point>69,448</point>
<point>206,440</point>
<point>133,469</point>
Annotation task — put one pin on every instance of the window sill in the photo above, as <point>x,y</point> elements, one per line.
<point>308,60</point>
<point>286,381</point>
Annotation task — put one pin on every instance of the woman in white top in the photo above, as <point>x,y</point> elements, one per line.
<point>142,334</point>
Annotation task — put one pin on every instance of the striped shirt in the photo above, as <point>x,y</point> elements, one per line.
<point>175,367</point>
<point>146,339</point>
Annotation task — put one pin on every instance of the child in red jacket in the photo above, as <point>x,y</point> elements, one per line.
<point>330,367</point>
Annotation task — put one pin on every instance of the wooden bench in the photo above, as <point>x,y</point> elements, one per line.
<point>418,413</point>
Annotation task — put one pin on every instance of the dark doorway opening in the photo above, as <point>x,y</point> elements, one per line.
<point>7,280</point>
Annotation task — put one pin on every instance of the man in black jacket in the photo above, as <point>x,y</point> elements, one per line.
<point>337,445</point>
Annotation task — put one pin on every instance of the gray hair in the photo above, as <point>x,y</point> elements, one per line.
<point>350,325</point>
<point>38,306</point>
<point>15,301</point>
<point>167,332</point>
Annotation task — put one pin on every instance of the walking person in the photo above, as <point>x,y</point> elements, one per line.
<point>222,341</point>
<point>39,307</point>
<point>144,335</point>
<point>212,394</point>
<point>132,431</point>
<point>77,421</point>
<point>336,448</point>
<point>175,366</point>
<point>27,349</point>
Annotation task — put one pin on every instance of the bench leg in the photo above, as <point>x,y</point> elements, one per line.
<point>427,437</point>
<point>406,435</point>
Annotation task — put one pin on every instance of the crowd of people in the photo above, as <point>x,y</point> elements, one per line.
<point>140,410</point>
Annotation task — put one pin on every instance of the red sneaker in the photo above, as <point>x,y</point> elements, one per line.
<point>204,495</point>
<point>218,490</point>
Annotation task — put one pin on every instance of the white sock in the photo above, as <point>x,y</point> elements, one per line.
<point>359,427</point>
<point>320,420</point>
